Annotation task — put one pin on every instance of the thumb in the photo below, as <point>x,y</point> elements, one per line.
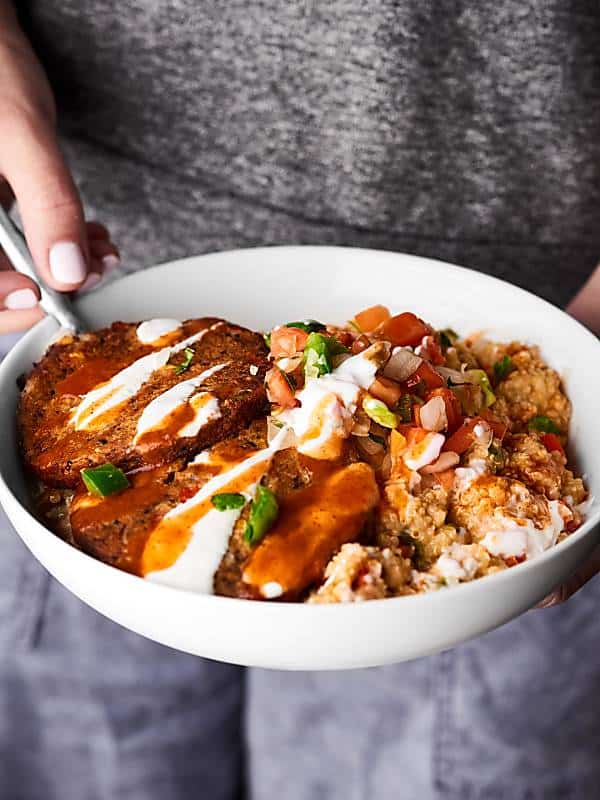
<point>48,201</point>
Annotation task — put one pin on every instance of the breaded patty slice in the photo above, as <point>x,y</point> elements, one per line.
<point>322,506</point>
<point>139,394</point>
<point>117,529</point>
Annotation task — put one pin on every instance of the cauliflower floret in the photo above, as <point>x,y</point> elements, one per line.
<point>461,562</point>
<point>529,461</point>
<point>532,389</point>
<point>490,501</point>
<point>360,573</point>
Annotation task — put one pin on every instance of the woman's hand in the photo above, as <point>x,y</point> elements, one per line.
<point>68,253</point>
<point>585,307</point>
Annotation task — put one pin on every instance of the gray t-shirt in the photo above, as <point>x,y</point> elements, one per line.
<point>463,131</point>
<point>466,131</point>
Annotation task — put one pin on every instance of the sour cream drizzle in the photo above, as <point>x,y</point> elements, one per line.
<point>194,569</point>
<point>127,383</point>
<point>151,330</point>
<point>324,417</point>
<point>511,537</point>
<point>158,411</point>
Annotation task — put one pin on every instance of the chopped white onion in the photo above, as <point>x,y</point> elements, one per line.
<point>433,415</point>
<point>402,364</point>
<point>483,434</point>
<point>452,375</point>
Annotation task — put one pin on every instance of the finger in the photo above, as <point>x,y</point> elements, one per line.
<point>48,201</point>
<point>106,253</point>
<point>579,578</point>
<point>19,302</point>
<point>96,230</point>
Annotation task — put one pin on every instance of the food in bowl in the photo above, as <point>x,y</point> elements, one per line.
<point>320,463</point>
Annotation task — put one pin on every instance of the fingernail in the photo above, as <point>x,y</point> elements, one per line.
<point>67,263</point>
<point>109,262</point>
<point>93,279</point>
<point>20,299</point>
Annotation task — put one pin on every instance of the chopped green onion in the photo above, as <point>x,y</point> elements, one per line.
<point>503,368</point>
<point>228,501</point>
<point>104,480</point>
<point>447,338</point>
<point>267,338</point>
<point>263,513</point>
<point>318,354</point>
<point>479,377</point>
<point>188,355</point>
<point>379,412</point>
<point>543,424</point>
<point>307,325</point>
<point>405,408</point>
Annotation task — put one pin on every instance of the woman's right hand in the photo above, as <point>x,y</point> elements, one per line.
<point>69,253</point>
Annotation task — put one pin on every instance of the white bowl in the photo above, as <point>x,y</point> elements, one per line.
<point>262,287</point>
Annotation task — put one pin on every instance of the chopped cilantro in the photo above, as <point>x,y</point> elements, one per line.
<point>188,355</point>
<point>447,338</point>
<point>543,424</point>
<point>228,501</point>
<point>503,368</point>
<point>404,408</point>
<point>307,325</point>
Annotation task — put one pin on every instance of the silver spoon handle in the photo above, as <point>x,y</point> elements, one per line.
<point>57,304</point>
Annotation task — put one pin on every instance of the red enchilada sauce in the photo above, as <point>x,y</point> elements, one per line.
<point>313,523</point>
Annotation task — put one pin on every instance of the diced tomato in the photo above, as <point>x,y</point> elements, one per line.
<point>345,338</point>
<point>279,390</point>
<point>452,404</point>
<point>431,350</point>
<point>286,342</point>
<point>512,561</point>
<point>386,390</point>
<point>425,372</point>
<point>445,478</point>
<point>498,427</point>
<point>360,344</point>
<point>462,438</point>
<point>187,492</point>
<point>552,443</point>
<point>404,329</point>
<point>370,318</point>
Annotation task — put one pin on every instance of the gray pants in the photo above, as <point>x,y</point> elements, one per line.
<point>89,711</point>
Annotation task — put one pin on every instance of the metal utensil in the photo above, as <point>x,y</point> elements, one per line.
<point>57,304</point>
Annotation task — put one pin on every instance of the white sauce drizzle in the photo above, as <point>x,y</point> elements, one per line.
<point>127,383</point>
<point>465,476</point>
<point>332,400</point>
<point>519,538</point>
<point>153,329</point>
<point>157,412</point>
<point>194,569</point>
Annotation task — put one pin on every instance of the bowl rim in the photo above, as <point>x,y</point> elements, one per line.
<point>7,496</point>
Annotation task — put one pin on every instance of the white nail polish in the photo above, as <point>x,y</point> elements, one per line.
<point>93,279</point>
<point>67,264</point>
<point>109,262</point>
<point>20,299</point>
